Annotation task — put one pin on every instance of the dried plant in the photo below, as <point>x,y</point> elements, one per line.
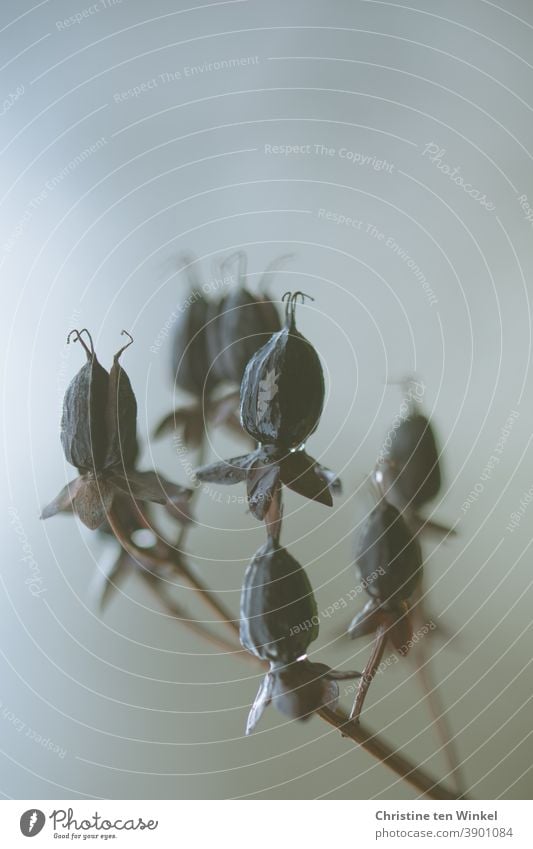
<point>281,401</point>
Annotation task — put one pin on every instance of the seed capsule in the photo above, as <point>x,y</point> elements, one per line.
<point>389,557</point>
<point>279,620</point>
<point>278,608</point>
<point>98,435</point>
<point>121,416</point>
<point>412,469</point>
<point>282,391</point>
<point>83,431</point>
<point>190,366</point>
<point>245,323</point>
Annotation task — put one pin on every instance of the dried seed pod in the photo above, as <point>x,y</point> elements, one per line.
<point>278,608</point>
<point>99,436</point>
<point>190,365</point>
<point>216,354</point>
<point>246,322</point>
<point>121,416</point>
<point>83,425</point>
<point>389,557</point>
<point>411,469</point>
<point>282,391</point>
<point>279,620</point>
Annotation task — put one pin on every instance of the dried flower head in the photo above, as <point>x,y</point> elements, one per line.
<point>278,623</point>
<point>389,563</point>
<point>282,394</point>
<point>282,391</point>
<point>98,435</point>
<point>242,323</point>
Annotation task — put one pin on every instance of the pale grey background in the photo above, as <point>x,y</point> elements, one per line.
<point>142,708</point>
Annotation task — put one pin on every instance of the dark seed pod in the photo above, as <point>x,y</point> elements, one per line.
<point>278,608</point>
<point>412,470</point>
<point>189,357</point>
<point>83,427</point>
<point>121,418</point>
<point>389,557</point>
<point>189,352</point>
<point>282,391</point>
<point>246,323</point>
<point>216,354</point>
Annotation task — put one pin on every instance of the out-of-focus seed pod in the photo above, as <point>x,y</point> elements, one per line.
<point>83,426</point>
<point>216,354</point>
<point>246,322</point>
<point>282,391</point>
<point>389,559</point>
<point>411,469</point>
<point>190,365</point>
<point>278,608</point>
<point>121,416</point>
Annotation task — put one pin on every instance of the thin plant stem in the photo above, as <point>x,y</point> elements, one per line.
<point>177,612</point>
<point>154,562</point>
<point>371,667</point>
<point>374,745</point>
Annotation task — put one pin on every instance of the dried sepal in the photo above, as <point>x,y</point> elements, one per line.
<point>63,502</point>
<point>227,472</point>
<point>261,702</point>
<point>93,501</point>
<point>263,468</point>
<point>261,485</point>
<point>302,474</point>
<point>298,690</point>
<point>148,486</point>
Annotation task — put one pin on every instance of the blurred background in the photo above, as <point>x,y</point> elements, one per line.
<point>388,147</point>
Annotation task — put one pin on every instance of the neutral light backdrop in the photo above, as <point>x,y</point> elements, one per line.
<point>129,704</point>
